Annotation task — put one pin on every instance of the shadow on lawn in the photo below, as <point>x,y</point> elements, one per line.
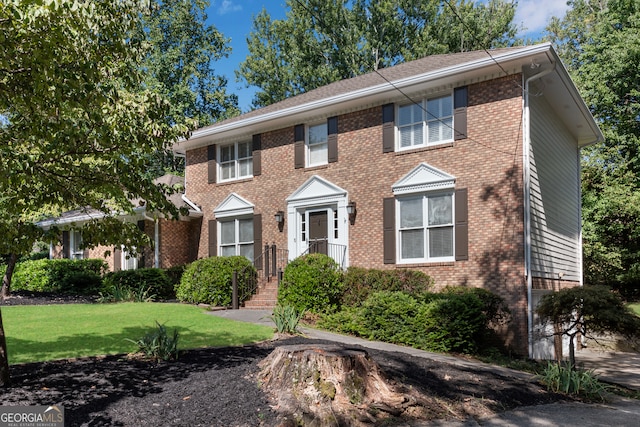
<point>80,345</point>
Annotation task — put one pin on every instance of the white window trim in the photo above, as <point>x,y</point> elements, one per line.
<point>426,259</point>
<point>307,145</point>
<point>124,262</point>
<point>425,120</point>
<point>236,161</point>
<point>75,240</point>
<point>236,220</point>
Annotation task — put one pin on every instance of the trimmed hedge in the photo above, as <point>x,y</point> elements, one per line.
<point>359,283</point>
<point>311,283</point>
<point>154,281</point>
<point>67,276</point>
<point>208,280</point>
<point>456,320</point>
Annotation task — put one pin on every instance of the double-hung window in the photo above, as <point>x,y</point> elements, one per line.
<point>236,161</point>
<point>425,225</point>
<point>429,122</point>
<point>236,237</point>
<point>317,145</point>
<point>75,244</point>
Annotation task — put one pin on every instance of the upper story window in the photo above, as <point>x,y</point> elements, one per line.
<point>426,123</point>
<point>236,161</point>
<point>425,227</point>
<point>317,145</point>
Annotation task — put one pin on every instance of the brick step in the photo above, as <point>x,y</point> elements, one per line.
<point>265,298</point>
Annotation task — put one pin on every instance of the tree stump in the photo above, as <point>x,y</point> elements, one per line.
<point>329,385</point>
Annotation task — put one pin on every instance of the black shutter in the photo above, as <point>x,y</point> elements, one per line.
<point>462,225</point>
<point>388,128</point>
<point>299,146</point>
<point>213,237</point>
<point>460,102</point>
<point>66,241</point>
<point>257,154</point>
<point>117,259</point>
<point>389,229</point>
<point>332,139</point>
<point>257,241</point>
<point>211,163</point>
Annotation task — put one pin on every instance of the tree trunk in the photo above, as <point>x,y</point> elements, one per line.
<point>6,279</point>
<point>5,378</point>
<point>572,353</point>
<point>329,385</point>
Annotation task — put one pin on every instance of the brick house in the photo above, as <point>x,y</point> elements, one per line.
<point>173,240</point>
<point>465,166</point>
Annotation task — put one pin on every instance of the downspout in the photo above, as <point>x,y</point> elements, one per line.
<point>526,159</point>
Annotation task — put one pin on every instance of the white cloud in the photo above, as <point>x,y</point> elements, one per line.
<point>227,6</point>
<point>534,15</point>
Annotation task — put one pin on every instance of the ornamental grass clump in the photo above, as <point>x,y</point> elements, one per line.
<point>286,318</point>
<point>158,344</point>
<point>561,378</point>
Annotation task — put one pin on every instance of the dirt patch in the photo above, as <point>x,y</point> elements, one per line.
<point>220,387</point>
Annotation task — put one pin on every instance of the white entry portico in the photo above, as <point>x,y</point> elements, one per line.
<point>317,216</point>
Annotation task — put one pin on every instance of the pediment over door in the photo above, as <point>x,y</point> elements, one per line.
<point>422,178</point>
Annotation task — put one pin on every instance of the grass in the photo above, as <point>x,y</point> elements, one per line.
<point>635,308</point>
<point>49,332</point>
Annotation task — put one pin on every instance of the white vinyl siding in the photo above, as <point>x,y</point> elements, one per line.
<point>236,161</point>
<point>428,122</point>
<point>555,196</point>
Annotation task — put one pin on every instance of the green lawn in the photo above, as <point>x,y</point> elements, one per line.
<point>38,333</point>
<point>635,308</point>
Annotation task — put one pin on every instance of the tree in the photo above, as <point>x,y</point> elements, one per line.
<point>77,126</point>
<point>179,66</point>
<point>587,311</point>
<point>321,42</point>
<point>599,41</point>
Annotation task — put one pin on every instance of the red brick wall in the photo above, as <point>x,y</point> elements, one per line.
<point>488,163</point>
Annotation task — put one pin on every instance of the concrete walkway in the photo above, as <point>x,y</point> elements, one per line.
<point>616,368</point>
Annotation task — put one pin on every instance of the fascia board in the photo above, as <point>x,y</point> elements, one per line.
<point>202,137</point>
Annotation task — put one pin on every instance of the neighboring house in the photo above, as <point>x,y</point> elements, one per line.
<point>465,166</point>
<point>172,238</point>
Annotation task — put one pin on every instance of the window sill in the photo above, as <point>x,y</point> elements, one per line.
<point>425,148</point>
<point>316,167</point>
<point>427,264</point>
<point>235,181</point>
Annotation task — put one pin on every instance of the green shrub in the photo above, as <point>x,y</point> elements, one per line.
<point>313,283</point>
<point>346,321</point>
<point>175,275</point>
<point>158,344</point>
<point>450,322</point>
<point>561,378</point>
<point>60,275</point>
<point>389,316</point>
<point>494,307</point>
<point>120,293</point>
<point>359,283</point>
<point>209,280</point>
<point>152,280</point>
<point>286,319</point>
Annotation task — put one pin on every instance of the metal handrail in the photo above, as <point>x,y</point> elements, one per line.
<point>335,251</point>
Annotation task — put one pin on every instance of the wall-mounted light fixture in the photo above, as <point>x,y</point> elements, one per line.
<point>279,216</point>
<point>352,211</point>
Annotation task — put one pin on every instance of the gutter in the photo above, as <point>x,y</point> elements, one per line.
<point>526,159</point>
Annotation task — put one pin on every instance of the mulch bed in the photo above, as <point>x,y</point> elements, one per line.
<point>219,387</point>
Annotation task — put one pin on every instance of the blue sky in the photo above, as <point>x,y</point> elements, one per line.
<point>233,18</point>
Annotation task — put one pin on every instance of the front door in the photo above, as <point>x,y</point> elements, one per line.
<point>318,232</point>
